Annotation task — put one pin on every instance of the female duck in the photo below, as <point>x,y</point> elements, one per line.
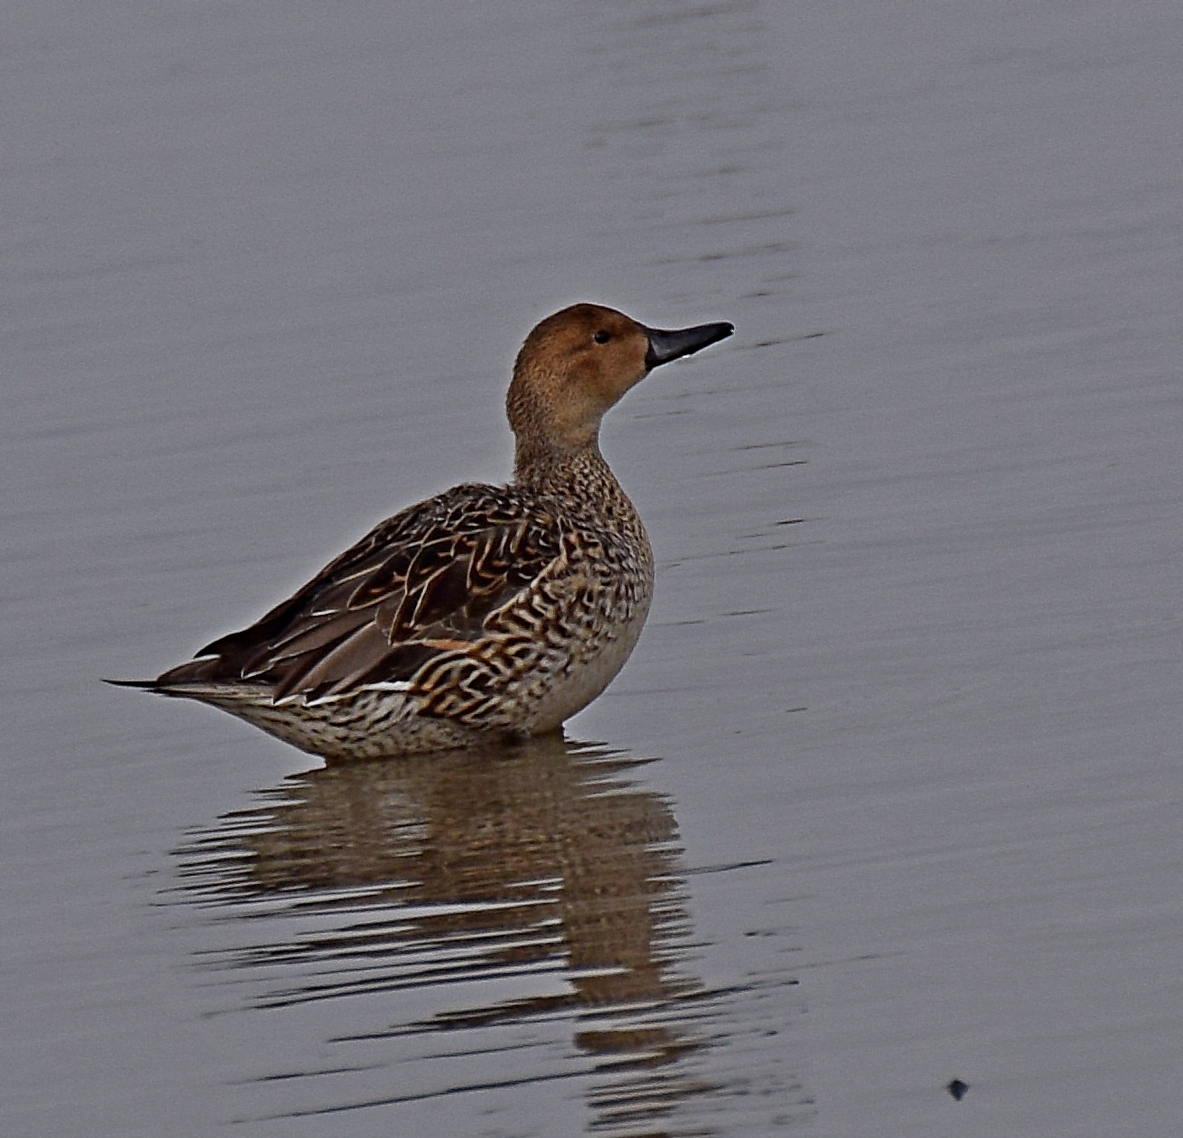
<point>484,612</point>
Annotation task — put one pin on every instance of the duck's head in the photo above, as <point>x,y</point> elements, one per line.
<point>577,363</point>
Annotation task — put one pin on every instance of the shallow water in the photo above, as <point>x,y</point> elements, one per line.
<point>888,794</point>
<point>505,920</point>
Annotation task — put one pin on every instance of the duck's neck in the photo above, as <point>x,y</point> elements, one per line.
<point>578,472</point>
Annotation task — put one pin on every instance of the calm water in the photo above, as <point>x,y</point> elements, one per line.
<point>890,792</point>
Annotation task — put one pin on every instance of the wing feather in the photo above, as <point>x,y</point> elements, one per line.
<point>429,580</point>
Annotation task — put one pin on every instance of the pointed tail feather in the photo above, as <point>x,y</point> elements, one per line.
<point>222,694</point>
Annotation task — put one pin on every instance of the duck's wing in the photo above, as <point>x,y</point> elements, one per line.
<point>424,582</point>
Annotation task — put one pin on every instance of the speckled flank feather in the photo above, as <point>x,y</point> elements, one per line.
<point>483,612</point>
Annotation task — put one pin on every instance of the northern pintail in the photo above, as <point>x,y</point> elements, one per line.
<point>485,612</point>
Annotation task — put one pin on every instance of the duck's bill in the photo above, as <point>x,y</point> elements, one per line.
<point>665,346</point>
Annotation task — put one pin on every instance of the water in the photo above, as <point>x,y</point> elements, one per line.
<point>469,925</point>
<point>910,683</point>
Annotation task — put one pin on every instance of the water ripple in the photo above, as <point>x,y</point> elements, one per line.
<point>535,886</point>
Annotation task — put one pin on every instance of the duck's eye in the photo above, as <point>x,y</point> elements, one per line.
<point>602,337</point>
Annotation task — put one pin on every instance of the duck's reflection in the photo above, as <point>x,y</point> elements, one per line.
<point>534,883</point>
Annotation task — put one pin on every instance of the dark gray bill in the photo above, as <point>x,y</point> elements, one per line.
<point>665,346</point>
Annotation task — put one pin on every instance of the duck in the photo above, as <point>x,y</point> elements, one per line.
<point>484,614</point>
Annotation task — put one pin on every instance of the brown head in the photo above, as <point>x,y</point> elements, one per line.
<point>576,364</point>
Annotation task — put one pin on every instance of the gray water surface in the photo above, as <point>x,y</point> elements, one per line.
<point>888,795</point>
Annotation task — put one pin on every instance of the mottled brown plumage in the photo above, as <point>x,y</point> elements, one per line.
<point>485,611</point>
